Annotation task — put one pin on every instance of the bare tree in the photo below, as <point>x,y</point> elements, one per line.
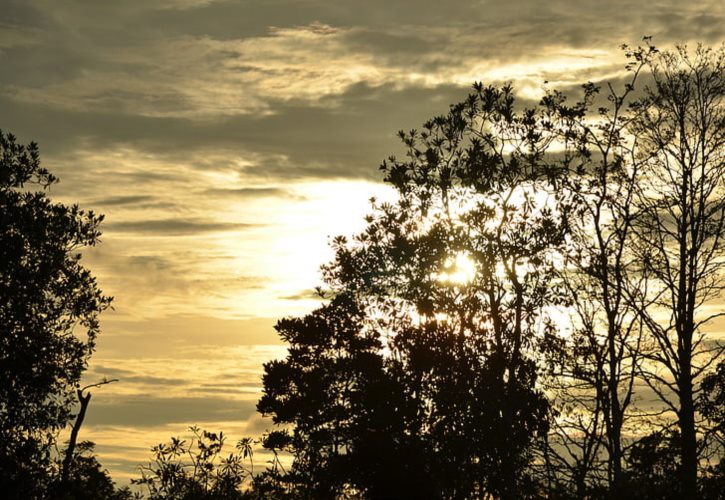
<point>84,398</point>
<point>595,384</point>
<point>680,131</point>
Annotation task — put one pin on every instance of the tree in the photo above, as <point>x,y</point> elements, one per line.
<point>594,382</point>
<point>644,172</point>
<point>711,405</point>
<point>449,288</point>
<point>85,479</point>
<point>680,128</point>
<point>84,398</point>
<point>653,470</point>
<point>353,421</point>
<point>49,307</point>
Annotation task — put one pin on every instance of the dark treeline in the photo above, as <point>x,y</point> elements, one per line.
<point>526,320</point>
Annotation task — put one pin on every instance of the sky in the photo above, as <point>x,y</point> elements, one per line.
<point>226,141</point>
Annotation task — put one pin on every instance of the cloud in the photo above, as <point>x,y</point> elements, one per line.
<point>127,376</point>
<point>303,295</point>
<point>180,335</point>
<point>298,90</point>
<point>195,63</point>
<point>123,200</point>
<point>252,192</point>
<point>345,139</point>
<point>175,227</point>
<point>147,411</point>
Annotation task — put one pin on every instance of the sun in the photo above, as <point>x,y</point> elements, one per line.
<point>458,270</point>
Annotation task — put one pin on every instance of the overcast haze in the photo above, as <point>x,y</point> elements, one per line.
<point>227,140</point>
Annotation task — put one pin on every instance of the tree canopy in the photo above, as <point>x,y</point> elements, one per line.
<point>498,328</point>
<point>49,307</point>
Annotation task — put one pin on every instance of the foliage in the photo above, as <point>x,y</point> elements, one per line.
<point>712,481</point>
<point>86,480</point>
<point>198,469</point>
<point>49,307</point>
<point>354,418</point>
<point>653,467</point>
<point>711,403</point>
<point>427,347</point>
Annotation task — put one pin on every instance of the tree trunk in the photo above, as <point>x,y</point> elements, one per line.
<point>615,413</point>
<point>688,449</point>
<point>68,459</point>
<point>616,453</point>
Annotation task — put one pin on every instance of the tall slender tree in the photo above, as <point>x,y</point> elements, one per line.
<point>680,129</point>
<point>599,179</point>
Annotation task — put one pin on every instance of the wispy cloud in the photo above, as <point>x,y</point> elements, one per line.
<point>175,227</point>
<point>146,411</point>
<point>123,200</point>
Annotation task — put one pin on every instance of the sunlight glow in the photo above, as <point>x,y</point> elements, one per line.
<point>459,270</point>
<point>283,260</point>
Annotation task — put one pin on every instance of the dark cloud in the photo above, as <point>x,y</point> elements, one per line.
<point>82,35</point>
<point>342,134</point>
<point>155,336</point>
<point>303,295</point>
<point>231,391</point>
<point>125,376</point>
<point>175,227</point>
<point>253,192</point>
<point>138,276</point>
<point>244,382</point>
<point>22,13</point>
<point>347,137</point>
<point>123,200</point>
<point>147,411</point>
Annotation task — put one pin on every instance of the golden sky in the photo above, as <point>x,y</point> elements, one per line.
<point>226,141</point>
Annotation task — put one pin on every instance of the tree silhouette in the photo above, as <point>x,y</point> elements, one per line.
<point>84,398</point>
<point>593,384</point>
<point>85,479</point>
<point>680,127</point>
<point>450,287</point>
<point>442,314</point>
<point>653,470</point>
<point>711,403</point>
<point>49,306</point>
<point>354,420</point>
<point>644,173</point>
